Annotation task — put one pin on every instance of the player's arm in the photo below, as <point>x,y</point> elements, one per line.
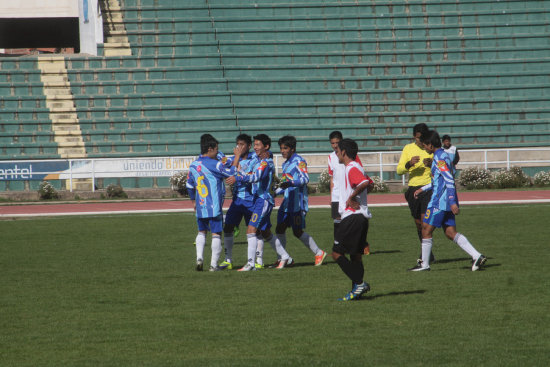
<point>191,186</point>
<point>299,176</point>
<point>258,174</point>
<point>423,188</point>
<point>359,182</point>
<point>443,167</point>
<point>456,159</point>
<point>404,162</point>
<point>330,173</point>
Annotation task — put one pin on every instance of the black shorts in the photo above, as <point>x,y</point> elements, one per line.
<point>351,236</point>
<point>334,210</point>
<point>418,205</point>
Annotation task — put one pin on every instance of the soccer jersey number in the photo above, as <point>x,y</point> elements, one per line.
<point>202,189</point>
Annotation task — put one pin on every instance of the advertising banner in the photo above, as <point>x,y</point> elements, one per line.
<point>87,168</point>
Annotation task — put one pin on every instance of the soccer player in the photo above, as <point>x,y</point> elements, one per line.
<point>336,171</point>
<point>451,150</point>
<point>206,188</point>
<point>351,236</point>
<point>443,205</point>
<point>261,179</point>
<point>293,209</point>
<point>416,162</point>
<point>243,199</point>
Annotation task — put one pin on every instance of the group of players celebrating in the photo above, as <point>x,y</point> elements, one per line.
<point>251,176</point>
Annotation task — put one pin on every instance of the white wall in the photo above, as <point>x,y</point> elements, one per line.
<point>39,8</point>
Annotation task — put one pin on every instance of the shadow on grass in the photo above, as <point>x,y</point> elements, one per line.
<point>404,293</point>
<point>384,252</point>
<point>445,261</point>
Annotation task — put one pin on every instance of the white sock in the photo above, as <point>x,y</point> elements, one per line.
<point>464,244</point>
<point>282,239</point>
<point>252,244</point>
<point>276,244</point>
<point>427,244</point>
<point>216,250</point>
<point>309,242</point>
<point>200,242</point>
<point>228,244</point>
<point>260,250</point>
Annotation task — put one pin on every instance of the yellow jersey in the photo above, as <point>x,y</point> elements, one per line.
<point>419,174</point>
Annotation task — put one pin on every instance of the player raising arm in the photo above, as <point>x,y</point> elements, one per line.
<point>206,188</point>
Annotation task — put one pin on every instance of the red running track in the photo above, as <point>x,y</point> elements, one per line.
<point>127,207</point>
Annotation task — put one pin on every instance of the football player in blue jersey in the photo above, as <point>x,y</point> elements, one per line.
<point>260,179</point>
<point>443,205</point>
<point>205,184</point>
<point>243,199</point>
<point>292,212</point>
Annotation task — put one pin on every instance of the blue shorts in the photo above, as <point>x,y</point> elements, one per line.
<point>237,210</point>
<point>295,220</point>
<point>439,218</point>
<point>212,224</point>
<point>260,214</point>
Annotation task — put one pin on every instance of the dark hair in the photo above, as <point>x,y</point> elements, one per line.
<point>244,137</point>
<point>289,141</point>
<point>266,140</point>
<point>420,128</point>
<point>431,137</point>
<point>349,146</point>
<point>335,135</point>
<point>445,137</point>
<point>207,142</point>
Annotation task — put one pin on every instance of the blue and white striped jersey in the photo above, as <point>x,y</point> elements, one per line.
<point>295,198</point>
<point>241,189</point>
<point>205,184</point>
<point>261,178</point>
<point>443,183</point>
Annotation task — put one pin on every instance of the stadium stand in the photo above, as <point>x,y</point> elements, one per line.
<point>476,69</point>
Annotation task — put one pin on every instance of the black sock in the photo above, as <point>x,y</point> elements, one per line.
<point>346,266</point>
<point>336,225</point>
<point>358,271</point>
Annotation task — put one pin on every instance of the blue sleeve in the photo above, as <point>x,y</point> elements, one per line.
<point>190,185</point>
<point>299,174</point>
<point>444,168</point>
<point>225,171</point>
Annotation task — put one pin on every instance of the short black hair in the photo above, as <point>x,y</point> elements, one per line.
<point>350,147</point>
<point>420,128</point>
<point>207,142</point>
<point>431,137</point>
<point>244,137</point>
<point>335,135</point>
<point>445,137</point>
<point>266,140</point>
<point>289,141</point>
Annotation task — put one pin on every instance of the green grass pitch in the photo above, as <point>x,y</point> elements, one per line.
<point>122,291</point>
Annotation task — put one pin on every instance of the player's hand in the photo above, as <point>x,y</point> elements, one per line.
<point>230,180</point>
<point>416,193</point>
<point>352,203</point>
<point>284,185</point>
<point>427,162</point>
<point>239,150</point>
<point>455,209</point>
<point>414,160</point>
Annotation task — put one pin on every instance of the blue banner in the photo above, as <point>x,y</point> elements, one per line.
<point>18,171</point>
